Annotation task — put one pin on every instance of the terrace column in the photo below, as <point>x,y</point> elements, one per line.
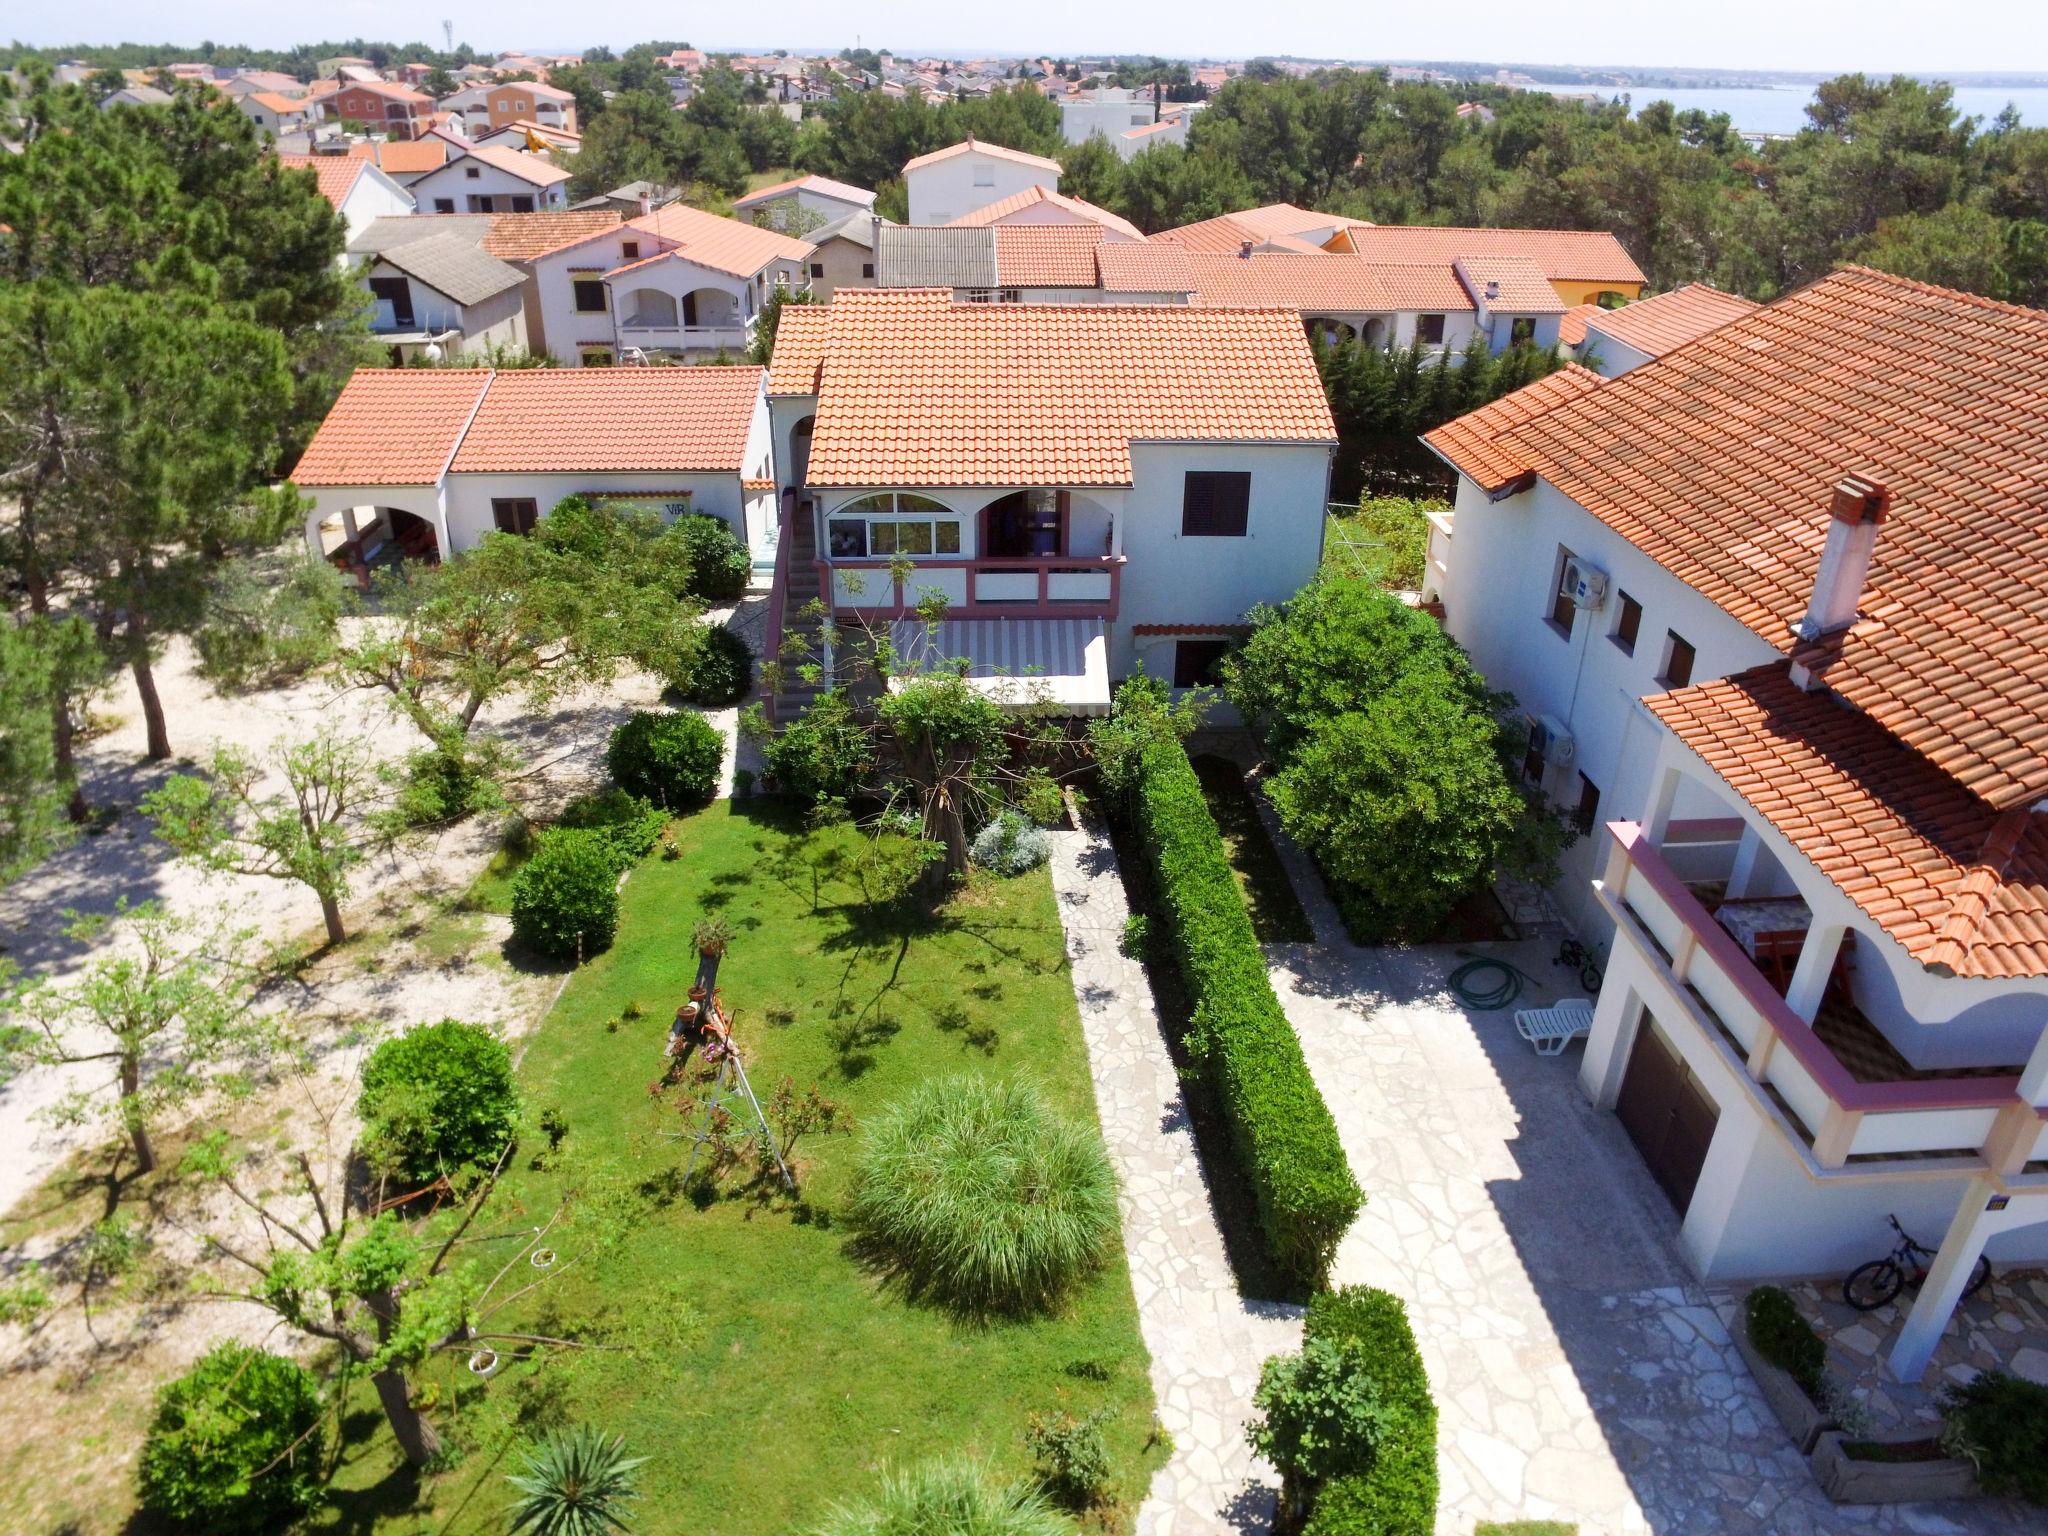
<point>1816,965</point>
<point>1943,1287</point>
<point>1657,820</point>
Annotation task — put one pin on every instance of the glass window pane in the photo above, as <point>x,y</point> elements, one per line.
<point>913,538</point>
<point>909,502</point>
<point>948,538</point>
<point>849,538</point>
<point>882,538</point>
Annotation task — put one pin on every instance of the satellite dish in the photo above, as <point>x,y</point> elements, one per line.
<point>431,351</point>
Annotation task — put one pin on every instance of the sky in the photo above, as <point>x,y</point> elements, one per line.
<point>1818,35</point>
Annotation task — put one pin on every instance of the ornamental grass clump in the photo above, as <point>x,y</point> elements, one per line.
<point>978,1196</point>
<point>950,1497</point>
<point>577,1482</point>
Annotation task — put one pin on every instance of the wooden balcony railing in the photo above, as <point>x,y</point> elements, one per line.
<point>1838,1115</point>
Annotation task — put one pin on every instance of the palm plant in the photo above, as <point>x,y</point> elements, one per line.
<point>951,1497</point>
<point>576,1482</point>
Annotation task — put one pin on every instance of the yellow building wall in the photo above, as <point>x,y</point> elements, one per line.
<point>1588,293</point>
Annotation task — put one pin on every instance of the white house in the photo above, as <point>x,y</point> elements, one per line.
<point>1133,142</point>
<point>1078,519</point>
<point>1616,340</point>
<point>436,291</point>
<point>970,175</point>
<point>274,114</point>
<point>425,462</point>
<point>1110,111</point>
<point>358,191</point>
<point>805,204</point>
<point>677,282</point>
<point>1775,605</point>
<point>492,179</point>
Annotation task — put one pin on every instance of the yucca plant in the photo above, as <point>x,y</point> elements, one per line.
<point>984,1199</point>
<point>576,1482</point>
<point>950,1497</point>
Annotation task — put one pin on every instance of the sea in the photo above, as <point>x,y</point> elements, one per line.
<point>1782,109</point>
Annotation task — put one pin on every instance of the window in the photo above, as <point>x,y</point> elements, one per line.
<point>1521,332</point>
<point>867,269</point>
<point>1678,659</point>
<point>589,296</point>
<point>847,538</point>
<point>1194,662</point>
<point>1141,120</point>
<point>984,175</point>
<point>1562,609</point>
<point>396,292</point>
<point>444,205</point>
<point>817,269</point>
<point>1628,619</point>
<point>1429,330</point>
<point>596,357</point>
<point>629,249</point>
<point>473,173</point>
<point>515,514</point>
<point>521,204</point>
<point>899,524</point>
<point>1587,812</point>
<point>1216,504</point>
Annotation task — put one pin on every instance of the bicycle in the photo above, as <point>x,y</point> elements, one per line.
<point>1871,1285</point>
<point>1586,961</point>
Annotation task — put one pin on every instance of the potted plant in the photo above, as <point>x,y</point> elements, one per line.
<point>1788,1360</point>
<point>711,936</point>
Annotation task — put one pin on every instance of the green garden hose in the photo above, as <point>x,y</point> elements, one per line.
<point>1486,995</point>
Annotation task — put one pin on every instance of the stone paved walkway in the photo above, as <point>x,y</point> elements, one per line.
<point>1207,1343</point>
<point>1581,1373</point>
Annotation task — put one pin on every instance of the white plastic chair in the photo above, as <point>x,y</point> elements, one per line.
<point>1551,1029</point>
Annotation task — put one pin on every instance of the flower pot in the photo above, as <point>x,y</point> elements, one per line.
<point>1804,1419</point>
<point>1854,1480</point>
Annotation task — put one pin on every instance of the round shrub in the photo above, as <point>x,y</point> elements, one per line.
<point>436,1099</point>
<point>951,1497</point>
<point>825,754</point>
<point>721,672</point>
<point>719,562</point>
<point>2000,1423</point>
<point>568,889</point>
<point>1785,1338</point>
<point>224,1453</point>
<point>668,759</point>
<point>984,1199</point>
<point>1009,845</point>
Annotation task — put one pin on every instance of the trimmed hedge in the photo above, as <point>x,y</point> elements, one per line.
<point>1285,1138</point>
<point>1396,1495</point>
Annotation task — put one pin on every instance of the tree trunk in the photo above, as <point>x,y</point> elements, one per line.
<point>418,1438</point>
<point>63,747</point>
<point>131,1114</point>
<point>330,911</point>
<point>152,706</point>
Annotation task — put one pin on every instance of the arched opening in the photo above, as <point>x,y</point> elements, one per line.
<point>360,540</point>
<point>890,524</point>
<point>1332,333</point>
<point>710,309</point>
<point>648,308</point>
<point>1379,332</point>
<point>1043,524</point>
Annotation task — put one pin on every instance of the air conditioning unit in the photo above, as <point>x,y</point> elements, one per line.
<point>1585,583</point>
<point>1551,740</point>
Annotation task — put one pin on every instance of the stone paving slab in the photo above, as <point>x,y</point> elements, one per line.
<point>1207,1343</point>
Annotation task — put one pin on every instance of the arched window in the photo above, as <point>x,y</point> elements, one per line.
<point>893,523</point>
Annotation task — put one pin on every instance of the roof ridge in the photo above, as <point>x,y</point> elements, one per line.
<point>1972,903</point>
<point>1973,300</point>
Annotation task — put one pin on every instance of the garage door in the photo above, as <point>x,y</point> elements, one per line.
<point>1667,1114</point>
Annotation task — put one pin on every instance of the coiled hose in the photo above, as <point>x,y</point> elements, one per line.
<point>1475,985</point>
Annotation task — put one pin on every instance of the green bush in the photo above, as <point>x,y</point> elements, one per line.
<point>577,1481</point>
<point>235,1445</point>
<point>1320,1415</point>
<point>669,759</point>
<point>439,786</point>
<point>1073,1457</point>
<point>720,673</point>
<point>2000,1423</point>
<point>719,562</point>
<point>628,823</point>
<point>982,1198</point>
<point>1785,1338</point>
<point>825,754</point>
<point>1395,1494</point>
<point>437,1099</point>
<point>262,628</point>
<point>1009,845</point>
<point>951,1497</point>
<point>1284,1136</point>
<point>567,893</point>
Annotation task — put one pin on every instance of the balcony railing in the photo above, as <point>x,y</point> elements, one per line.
<point>1793,1070</point>
<point>1072,586</point>
<point>683,338</point>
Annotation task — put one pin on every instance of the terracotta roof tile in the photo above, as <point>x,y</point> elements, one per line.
<point>824,186</point>
<point>1275,278</point>
<point>523,236</point>
<point>1279,225</point>
<point>1047,255</point>
<point>972,145</point>
<point>336,173</point>
<point>392,426</point>
<point>1717,460</point>
<point>799,349</point>
<point>1429,286</point>
<point>1670,320</point>
<point>544,420</point>
<point>1132,266</point>
<point>1517,284</point>
<point>403,157</point>
<point>1960,884</point>
<point>1041,197</point>
<point>1571,330</point>
<point>1565,255</point>
<point>723,245</point>
<point>515,162</point>
<point>1472,443</point>
<point>916,390</point>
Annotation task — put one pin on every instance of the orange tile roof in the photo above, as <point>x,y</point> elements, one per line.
<point>972,145</point>
<point>1229,232</point>
<point>277,103</point>
<point>1656,326</point>
<point>392,426</point>
<point>1047,255</point>
<point>1571,330</point>
<point>1267,278</point>
<point>405,156</point>
<point>337,173</point>
<point>547,420</point>
<point>1139,266</point>
<point>1717,460</point>
<point>523,236</point>
<point>916,390</point>
<point>723,245</point>
<point>515,162</point>
<point>1961,885</point>
<point>1472,443</point>
<point>1517,283</point>
<point>1426,287</point>
<point>824,186</point>
<point>1034,197</point>
<point>799,349</point>
<point>1565,255</point>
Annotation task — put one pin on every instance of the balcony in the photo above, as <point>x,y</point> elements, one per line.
<point>683,338</point>
<point>1071,586</point>
<point>1835,1083</point>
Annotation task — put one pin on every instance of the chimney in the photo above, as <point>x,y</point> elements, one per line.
<point>646,200</point>
<point>1854,515</point>
<point>1492,290</point>
<point>1244,252</point>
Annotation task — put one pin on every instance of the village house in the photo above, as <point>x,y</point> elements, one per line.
<point>842,255</point>
<point>274,114</point>
<point>1079,519</point>
<point>397,111</point>
<point>1773,607</point>
<point>358,191</point>
<point>405,161</point>
<point>1612,341</point>
<point>970,175</point>
<point>798,207</point>
<point>1044,205</point>
<point>513,103</point>
<point>492,180</point>
<point>1079,263</point>
<point>423,463</point>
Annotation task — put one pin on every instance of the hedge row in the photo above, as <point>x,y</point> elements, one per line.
<point>1286,1140</point>
<point>1396,1495</point>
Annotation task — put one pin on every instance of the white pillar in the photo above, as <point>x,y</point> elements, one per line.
<point>2034,1078</point>
<point>1943,1287</point>
<point>1711,1211</point>
<point>1617,1015</point>
<point>1742,874</point>
<point>1664,795</point>
<point>1816,965</point>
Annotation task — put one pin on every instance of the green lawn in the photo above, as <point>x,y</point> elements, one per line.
<point>771,1371</point>
<point>1276,914</point>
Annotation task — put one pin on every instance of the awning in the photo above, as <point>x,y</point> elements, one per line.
<point>1061,664</point>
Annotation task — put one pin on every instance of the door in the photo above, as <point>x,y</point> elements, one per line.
<point>1666,1113</point>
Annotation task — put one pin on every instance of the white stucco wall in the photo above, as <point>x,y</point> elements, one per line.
<point>1608,357</point>
<point>1110,112</point>
<point>469,496</point>
<point>499,320</point>
<point>846,265</point>
<point>563,327</point>
<point>947,190</point>
<point>374,196</point>
<point>454,182</point>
